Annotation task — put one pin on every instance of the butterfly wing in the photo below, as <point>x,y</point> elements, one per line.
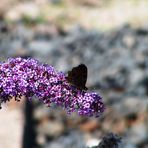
<point>78,76</point>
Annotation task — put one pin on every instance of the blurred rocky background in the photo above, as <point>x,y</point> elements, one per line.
<point>111,38</point>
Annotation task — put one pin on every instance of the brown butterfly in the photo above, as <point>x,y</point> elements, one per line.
<point>78,76</point>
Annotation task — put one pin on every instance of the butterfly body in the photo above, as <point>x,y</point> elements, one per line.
<point>78,76</point>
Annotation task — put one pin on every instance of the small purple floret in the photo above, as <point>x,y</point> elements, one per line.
<point>28,77</point>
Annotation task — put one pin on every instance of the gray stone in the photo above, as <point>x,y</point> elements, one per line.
<point>72,140</point>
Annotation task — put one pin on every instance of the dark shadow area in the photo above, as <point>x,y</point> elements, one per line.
<point>29,136</point>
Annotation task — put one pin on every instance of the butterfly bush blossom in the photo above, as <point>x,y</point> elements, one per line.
<point>28,77</point>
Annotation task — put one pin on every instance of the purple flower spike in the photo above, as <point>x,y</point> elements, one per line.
<point>28,77</point>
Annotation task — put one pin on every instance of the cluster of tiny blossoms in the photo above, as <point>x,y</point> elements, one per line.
<point>28,77</point>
